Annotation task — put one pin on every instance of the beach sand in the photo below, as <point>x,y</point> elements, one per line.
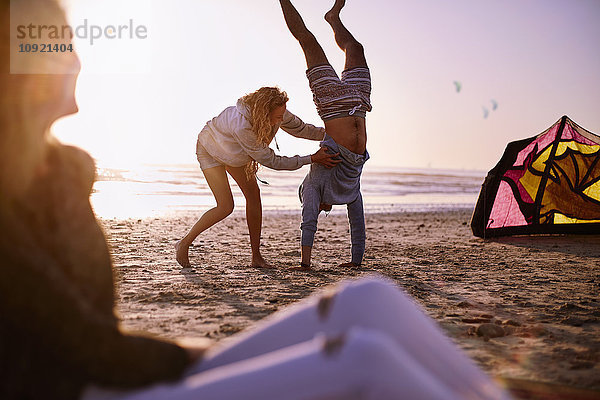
<point>541,291</point>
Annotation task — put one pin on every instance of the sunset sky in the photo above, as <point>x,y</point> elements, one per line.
<point>145,100</point>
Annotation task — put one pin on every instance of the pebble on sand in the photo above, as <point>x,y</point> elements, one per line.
<point>490,331</point>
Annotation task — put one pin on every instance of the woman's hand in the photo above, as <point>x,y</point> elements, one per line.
<point>324,158</point>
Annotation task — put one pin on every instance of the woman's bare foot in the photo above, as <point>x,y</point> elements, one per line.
<point>259,262</point>
<point>182,255</point>
<point>334,13</point>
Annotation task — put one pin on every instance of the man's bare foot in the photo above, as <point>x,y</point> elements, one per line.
<point>334,13</point>
<point>182,255</point>
<point>260,262</point>
<point>303,267</point>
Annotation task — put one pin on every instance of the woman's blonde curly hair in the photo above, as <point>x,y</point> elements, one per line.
<point>260,104</point>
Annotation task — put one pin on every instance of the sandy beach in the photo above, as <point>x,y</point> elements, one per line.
<point>542,292</point>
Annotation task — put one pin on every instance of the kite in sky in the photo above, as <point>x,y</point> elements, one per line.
<point>458,86</point>
<point>485,112</point>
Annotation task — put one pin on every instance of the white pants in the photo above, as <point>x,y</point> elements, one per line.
<point>369,341</point>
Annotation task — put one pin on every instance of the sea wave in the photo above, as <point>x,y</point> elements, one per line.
<point>156,189</point>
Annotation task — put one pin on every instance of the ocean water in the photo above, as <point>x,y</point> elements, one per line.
<point>161,190</point>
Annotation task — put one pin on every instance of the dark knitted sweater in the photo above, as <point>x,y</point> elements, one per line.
<point>58,329</point>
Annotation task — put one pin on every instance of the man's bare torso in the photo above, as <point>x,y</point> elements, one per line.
<point>350,132</point>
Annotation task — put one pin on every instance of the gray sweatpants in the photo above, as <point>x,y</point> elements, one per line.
<point>310,213</point>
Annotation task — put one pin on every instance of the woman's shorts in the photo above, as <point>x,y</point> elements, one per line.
<point>204,158</point>
<point>335,97</point>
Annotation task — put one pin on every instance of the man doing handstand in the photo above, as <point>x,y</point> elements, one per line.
<point>342,104</point>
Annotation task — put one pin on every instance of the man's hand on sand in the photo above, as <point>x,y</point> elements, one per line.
<point>324,158</point>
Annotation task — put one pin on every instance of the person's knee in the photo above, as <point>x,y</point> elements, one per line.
<point>373,351</point>
<point>225,208</point>
<point>356,48</point>
<point>367,346</point>
<point>252,192</point>
<point>368,297</point>
<point>371,288</point>
<point>307,40</point>
<point>309,218</point>
<point>355,55</point>
<point>309,225</point>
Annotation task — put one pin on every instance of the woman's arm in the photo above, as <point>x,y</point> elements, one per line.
<point>296,127</point>
<point>266,156</point>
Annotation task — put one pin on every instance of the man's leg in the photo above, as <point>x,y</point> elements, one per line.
<point>355,55</point>
<point>356,217</point>
<point>310,216</point>
<point>312,49</point>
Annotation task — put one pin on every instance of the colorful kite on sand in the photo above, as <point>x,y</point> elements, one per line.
<point>549,183</point>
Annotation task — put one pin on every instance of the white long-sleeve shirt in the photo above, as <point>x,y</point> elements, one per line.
<point>229,139</point>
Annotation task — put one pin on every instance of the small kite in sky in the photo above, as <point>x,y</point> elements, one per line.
<point>494,104</point>
<point>485,112</point>
<point>458,86</point>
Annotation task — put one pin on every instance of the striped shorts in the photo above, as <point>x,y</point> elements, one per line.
<point>337,98</point>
